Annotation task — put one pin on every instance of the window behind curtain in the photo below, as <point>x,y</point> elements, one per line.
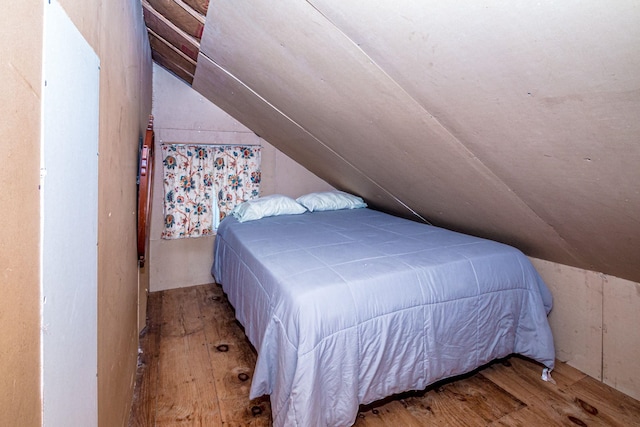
<point>203,183</point>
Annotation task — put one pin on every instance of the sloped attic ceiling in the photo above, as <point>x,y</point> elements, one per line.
<point>516,121</point>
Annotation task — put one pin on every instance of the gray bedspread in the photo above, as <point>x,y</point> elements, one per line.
<point>348,307</point>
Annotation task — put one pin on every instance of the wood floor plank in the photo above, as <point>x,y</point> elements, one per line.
<point>202,375</point>
<point>186,387</point>
<point>392,413</point>
<point>180,312</point>
<point>241,412</point>
<point>553,404</point>
<point>527,417</point>
<point>561,408</point>
<point>471,401</point>
<point>177,397</point>
<point>522,378</point>
<point>232,360</point>
<point>196,369</point>
<point>143,410</point>
<point>573,405</point>
<point>604,403</point>
<point>232,357</point>
<point>370,418</point>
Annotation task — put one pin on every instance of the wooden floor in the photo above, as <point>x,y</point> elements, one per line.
<point>196,365</point>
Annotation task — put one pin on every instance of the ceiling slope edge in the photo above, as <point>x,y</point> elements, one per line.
<point>253,111</point>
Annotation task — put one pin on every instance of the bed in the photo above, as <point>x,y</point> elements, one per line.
<point>346,307</point>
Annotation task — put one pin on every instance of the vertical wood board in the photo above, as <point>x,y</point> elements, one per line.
<point>621,342</point>
<point>576,316</point>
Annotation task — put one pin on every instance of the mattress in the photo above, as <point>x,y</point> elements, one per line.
<point>347,307</point>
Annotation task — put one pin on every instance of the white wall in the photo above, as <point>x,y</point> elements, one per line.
<point>69,224</point>
<point>181,115</point>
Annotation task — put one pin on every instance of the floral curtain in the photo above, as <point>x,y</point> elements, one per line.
<point>193,174</point>
<point>237,176</point>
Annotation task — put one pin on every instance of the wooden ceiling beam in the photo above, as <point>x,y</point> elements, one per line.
<point>181,14</point>
<point>166,29</point>
<point>201,6</point>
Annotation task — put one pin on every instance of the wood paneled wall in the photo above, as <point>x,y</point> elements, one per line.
<point>595,321</point>
<point>20,94</point>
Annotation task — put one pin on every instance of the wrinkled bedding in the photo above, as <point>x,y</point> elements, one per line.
<point>348,307</point>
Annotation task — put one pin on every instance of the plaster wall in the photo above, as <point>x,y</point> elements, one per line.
<point>181,115</point>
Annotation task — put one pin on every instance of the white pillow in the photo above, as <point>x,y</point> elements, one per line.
<point>275,204</point>
<point>330,201</point>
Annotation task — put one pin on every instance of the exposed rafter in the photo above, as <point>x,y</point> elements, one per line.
<point>175,28</point>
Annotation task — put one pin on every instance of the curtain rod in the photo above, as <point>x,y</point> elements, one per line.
<point>210,144</point>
